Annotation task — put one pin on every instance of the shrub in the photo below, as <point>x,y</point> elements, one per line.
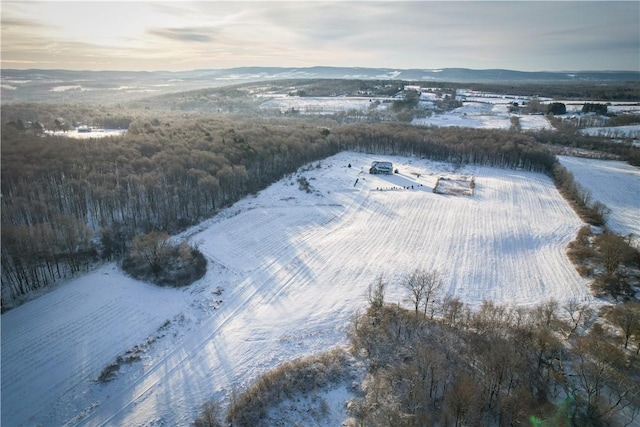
<point>594,108</point>
<point>557,108</point>
<point>110,371</point>
<point>210,415</point>
<point>302,375</point>
<point>153,257</point>
<point>304,184</point>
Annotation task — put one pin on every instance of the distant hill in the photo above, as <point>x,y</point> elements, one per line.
<point>446,74</point>
<point>119,86</point>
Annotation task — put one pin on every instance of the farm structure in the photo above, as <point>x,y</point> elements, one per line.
<point>381,168</point>
<point>460,186</point>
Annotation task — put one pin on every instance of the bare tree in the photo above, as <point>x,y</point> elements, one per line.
<point>545,315</point>
<point>600,212</point>
<point>432,287</point>
<point>613,248</point>
<point>598,364</point>
<point>491,318</point>
<point>452,310</point>
<point>210,415</point>
<point>626,316</point>
<point>415,284</point>
<point>460,401</point>
<point>580,315</point>
<point>151,250</point>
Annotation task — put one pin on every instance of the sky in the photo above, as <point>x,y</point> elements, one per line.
<point>186,35</point>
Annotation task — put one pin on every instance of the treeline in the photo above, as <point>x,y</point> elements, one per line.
<point>592,211</point>
<point>66,202</point>
<point>625,91</point>
<point>460,146</point>
<point>59,116</point>
<point>608,260</point>
<point>306,375</point>
<point>567,135</point>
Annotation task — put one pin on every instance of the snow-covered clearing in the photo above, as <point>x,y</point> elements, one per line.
<point>485,111</point>
<point>95,133</point>
<point>293,267</point>
<point>482,115</point>
<point>534,122</point>
<point>614,183</point>
<point>324,105</point>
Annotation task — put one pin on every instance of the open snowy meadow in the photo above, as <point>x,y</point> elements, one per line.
<point>617,185</point>
<point>287,269</point>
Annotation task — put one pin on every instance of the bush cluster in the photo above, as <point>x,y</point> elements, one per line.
<point>609,260</point>
<point>153,257</point>
<point>298,376</point>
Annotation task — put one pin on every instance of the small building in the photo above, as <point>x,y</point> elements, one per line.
<point>381,168</point>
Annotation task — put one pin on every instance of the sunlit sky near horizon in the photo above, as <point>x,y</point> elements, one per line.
<point>185,35</point>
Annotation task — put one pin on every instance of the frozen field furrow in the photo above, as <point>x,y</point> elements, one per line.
<point>296,267</point>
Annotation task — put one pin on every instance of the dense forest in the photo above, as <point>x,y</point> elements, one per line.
<point>67,202</point>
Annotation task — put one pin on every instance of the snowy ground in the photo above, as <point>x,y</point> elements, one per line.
<point>324,105</point>
<point>617,185</point>
<point>96,133</point>
<point>534,122</point>
<point>293,267</point>
<point>479,110</point>
<point>482,115</point>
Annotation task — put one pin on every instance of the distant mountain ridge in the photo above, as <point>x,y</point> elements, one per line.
<point>67,86</point>
<point>260,73</point>
<point>444,74</point>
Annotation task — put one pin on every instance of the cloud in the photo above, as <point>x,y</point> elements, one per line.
<point>198,35</point>
<point>8,23</point>
<point>404,34</point>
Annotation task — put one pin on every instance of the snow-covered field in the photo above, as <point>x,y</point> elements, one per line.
<point>617,185</point>
<point>471,114</point>
<point>479,110</point>
<point>96,133</point>
<point>292,266</point>
<point>323,105</point>
<point>534,122</point>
